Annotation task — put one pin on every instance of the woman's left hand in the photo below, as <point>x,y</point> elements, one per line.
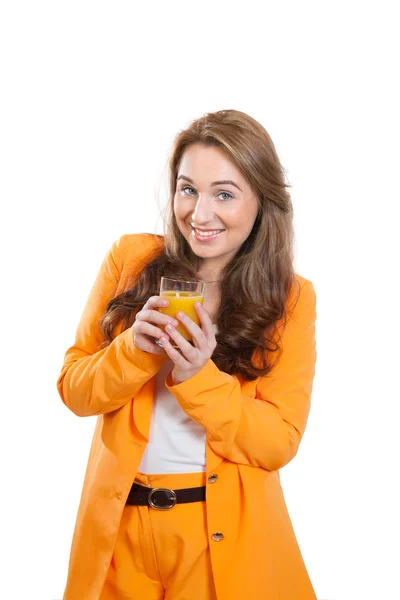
<point>192,358</point>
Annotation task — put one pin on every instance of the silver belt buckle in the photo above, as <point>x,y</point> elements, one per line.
<point>172,498</point>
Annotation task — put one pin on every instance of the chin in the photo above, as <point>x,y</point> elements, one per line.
<point>200,252</point>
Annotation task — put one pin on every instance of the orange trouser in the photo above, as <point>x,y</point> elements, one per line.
<point>162,554</point>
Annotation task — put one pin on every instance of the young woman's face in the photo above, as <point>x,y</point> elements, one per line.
<point>214,206</point>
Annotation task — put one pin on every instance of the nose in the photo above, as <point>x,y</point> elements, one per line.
<point>202,213</point>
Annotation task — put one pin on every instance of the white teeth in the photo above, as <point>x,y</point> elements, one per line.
<point>207,233</point>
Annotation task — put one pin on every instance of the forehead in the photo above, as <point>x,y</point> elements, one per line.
<point>208,163</point>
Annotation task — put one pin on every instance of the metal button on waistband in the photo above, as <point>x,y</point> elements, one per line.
<point>217,537</point>
<point>213,478</point>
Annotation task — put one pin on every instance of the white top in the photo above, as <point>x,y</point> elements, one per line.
<point>177,444</point>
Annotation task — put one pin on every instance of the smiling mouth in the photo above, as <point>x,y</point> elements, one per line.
<point>207,232</point>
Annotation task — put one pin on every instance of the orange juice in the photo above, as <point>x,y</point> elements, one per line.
<point>184,302</point>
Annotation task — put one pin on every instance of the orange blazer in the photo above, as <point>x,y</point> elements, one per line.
<point>253,429</point>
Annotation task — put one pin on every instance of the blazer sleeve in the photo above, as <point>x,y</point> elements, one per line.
<point>264,431</point>
<point>93,381</point>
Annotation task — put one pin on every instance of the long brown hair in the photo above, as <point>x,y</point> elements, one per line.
<point>261,274</point>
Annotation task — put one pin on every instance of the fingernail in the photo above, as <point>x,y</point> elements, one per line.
<point>180,315</point>
<point>173,322</point>
<point>197,304</point>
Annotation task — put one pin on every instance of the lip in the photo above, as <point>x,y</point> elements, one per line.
<point>208,238</point>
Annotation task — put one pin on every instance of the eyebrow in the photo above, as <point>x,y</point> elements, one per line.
<point>222,182</point>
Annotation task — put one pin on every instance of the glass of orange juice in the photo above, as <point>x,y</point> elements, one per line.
<point>181,295</point>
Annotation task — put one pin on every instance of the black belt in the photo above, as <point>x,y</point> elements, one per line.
<point>163,498</point>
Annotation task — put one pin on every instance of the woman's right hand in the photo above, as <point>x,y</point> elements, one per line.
<point>147,326</point>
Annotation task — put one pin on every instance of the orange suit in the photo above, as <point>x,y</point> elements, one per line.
<point>252,429</point>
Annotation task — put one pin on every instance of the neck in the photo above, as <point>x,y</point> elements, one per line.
<point>210,276</point>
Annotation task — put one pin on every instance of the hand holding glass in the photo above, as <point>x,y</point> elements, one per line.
<point>182,295</point>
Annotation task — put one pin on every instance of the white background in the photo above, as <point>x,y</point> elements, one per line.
<point>92,95</point>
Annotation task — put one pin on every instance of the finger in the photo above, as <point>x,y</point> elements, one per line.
<point>154,316</point>
<point>205,321</point>
<point>199,339</point>
<point>187,349</point>
<point>155,348</point>
<point>174,354</point>
<point>148,345</point>
<point>144,328</point>
<point>156,302</point>
<point>159,347</point>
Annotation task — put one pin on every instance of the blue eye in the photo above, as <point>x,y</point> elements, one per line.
<point>188,188</point>
<point>226,194</point>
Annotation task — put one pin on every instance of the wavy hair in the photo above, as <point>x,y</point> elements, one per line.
<point>261,272</point>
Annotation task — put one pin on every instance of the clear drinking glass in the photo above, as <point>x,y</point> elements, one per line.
<point>182,294</point>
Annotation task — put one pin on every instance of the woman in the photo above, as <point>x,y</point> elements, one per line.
<point>218,417</point>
